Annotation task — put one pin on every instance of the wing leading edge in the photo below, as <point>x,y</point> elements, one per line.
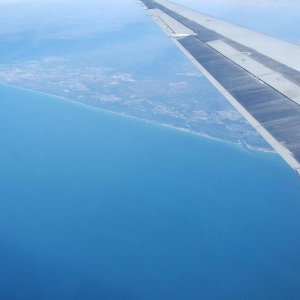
<point>258,74</point>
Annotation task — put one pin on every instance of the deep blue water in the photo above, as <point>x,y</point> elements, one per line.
<point>99,206</point>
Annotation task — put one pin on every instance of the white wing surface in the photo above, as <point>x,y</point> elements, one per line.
<point>258,74</point>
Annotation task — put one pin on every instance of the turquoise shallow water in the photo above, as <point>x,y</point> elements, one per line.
<point>98,206</point>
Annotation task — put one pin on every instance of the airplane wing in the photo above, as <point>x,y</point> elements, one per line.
<point>258,74</point>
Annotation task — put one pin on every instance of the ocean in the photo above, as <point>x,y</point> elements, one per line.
<point>94,205</point>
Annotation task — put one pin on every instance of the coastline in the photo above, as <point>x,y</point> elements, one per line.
<point>242,145</point>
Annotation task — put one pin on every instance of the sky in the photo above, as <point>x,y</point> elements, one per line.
<point>258,15</point>
<point>256,3</point>
<point>265,3</point>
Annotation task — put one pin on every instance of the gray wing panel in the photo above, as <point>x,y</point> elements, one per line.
<point>277,113</point>
<point>263,102</point>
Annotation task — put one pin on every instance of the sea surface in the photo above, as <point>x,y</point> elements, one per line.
<point>95,205</point>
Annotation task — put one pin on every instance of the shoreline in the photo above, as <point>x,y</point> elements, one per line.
<point>242,145</point>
